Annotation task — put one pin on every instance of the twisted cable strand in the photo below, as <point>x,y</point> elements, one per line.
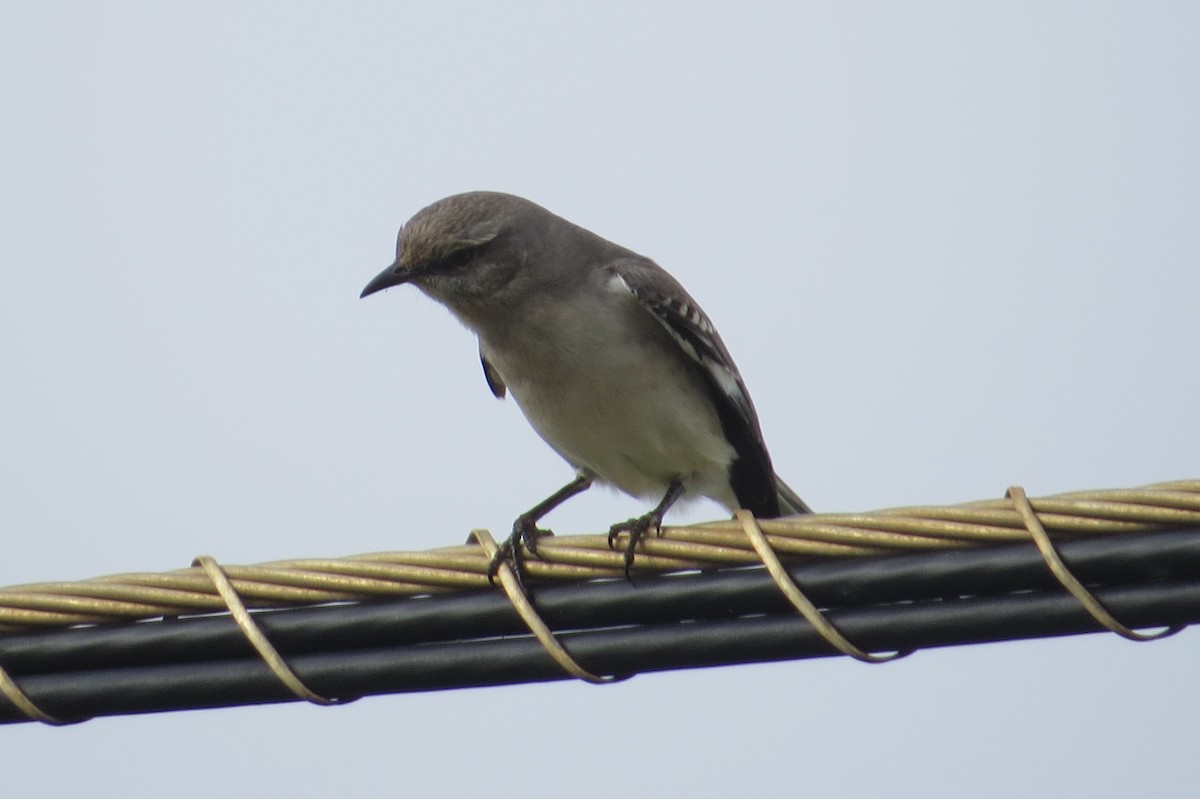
<point>307,581</point>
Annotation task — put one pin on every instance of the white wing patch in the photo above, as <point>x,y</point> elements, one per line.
<point>617,285</point>
<point>696,336</point>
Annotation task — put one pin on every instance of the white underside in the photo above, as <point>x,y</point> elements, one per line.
<point>610,392</point>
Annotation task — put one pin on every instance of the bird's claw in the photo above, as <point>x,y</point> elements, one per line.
<point>637,529</point>
<point>524,538</point>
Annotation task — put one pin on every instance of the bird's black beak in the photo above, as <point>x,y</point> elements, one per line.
<point>394,275</point>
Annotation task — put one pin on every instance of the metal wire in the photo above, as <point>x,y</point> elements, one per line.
<point>129,597</point>
<point>903,602</point>
<point>949,533</point>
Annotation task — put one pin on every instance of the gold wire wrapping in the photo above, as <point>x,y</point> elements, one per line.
<point>254,634</point>
<point>520,602</point>
<point>799,601</point>
<point>1069,580</point>
<point>21,701</point>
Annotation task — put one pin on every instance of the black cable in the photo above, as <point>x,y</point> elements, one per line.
<point>850,582</point>
<point>626,650</point>
<point>455,641</point>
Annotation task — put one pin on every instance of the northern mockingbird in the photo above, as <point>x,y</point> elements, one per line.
<point>612,362</point>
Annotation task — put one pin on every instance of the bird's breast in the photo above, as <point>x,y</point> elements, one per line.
<point>611,392</point>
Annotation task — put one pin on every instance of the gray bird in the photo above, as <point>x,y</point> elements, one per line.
<point>610,359</point>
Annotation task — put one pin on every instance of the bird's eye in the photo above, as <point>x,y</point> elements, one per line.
<point>456,260</point>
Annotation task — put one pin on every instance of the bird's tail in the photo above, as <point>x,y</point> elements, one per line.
<point>790,503</point>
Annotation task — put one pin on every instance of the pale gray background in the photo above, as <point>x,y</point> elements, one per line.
<point>953,248</point>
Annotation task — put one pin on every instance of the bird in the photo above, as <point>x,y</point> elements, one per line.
<point>609,358</point>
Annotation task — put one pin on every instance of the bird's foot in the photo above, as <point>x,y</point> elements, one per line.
<point>524,538</point>
<point>637,529</point>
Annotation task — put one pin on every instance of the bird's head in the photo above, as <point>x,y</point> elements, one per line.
<point>465,249</point>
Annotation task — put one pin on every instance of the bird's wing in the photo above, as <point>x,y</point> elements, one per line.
<point>751,475</point>
<point>494,381</point>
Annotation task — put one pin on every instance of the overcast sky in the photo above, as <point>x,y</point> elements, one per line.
<point>952,247</point>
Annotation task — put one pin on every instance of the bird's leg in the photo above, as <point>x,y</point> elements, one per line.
<point>526,532</point>
<point>638,527</point>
